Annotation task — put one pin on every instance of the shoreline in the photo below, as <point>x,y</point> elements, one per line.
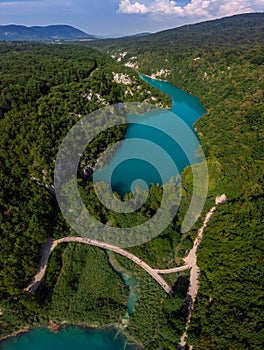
<point>14,334</point>
<point>55,327</point>
<point>152,78</point>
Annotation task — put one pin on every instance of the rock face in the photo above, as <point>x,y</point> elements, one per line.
<point>221,199</point>
<point>121,78</point>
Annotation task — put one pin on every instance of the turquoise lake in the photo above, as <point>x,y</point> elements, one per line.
<point>133,163</point>
<point>67,339</point>
<point>184,107</point>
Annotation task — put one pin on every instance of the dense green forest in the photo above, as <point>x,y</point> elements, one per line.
<point>221,62</point>
<point>44,90</point>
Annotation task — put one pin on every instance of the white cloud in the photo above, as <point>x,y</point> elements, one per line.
<point>206,9</point>
<point>166,7</point>
<point>125,6</point>
<point>234,7</point>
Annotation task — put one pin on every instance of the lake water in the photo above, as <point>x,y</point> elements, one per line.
<point>129,280</point>
<point>136,161</point>
<point>184,107</point>
<point>67,339</point>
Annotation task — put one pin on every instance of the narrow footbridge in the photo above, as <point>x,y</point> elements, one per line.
<point>51,245</point>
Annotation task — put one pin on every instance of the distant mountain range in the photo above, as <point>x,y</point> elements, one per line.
<point>37,33</point>
<point>235,30</point>
<point>137,35</point>
<point>238,28</point>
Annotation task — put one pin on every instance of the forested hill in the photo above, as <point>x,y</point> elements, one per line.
<point>44,91</point>
<point>235,30</point>
<point>220,62</point>
<point>37,33</point>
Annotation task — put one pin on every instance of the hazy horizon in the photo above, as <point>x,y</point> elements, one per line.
<point>121,17</point>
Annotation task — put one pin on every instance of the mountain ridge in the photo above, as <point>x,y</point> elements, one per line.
<point>234,29</point>
<point>14,32</point>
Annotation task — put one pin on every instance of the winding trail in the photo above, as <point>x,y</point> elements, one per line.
<point>51,245</point>
<point>190,261</point>
<point>172,270</point>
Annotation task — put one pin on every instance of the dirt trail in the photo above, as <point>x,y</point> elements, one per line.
<point>191,261</point>
<point>51,245</point>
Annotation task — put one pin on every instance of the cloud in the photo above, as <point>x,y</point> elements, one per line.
<point>234,7</point>
<point>206,9</point>
<point>125,6</point>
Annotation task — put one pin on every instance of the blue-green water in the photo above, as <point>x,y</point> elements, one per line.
<point>130,281</point>
<point>138,162</point>
<point>184,105</point>
<point>69,338</point>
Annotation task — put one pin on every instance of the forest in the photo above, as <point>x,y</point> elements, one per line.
<point>43,93</point>
<point>221,62</point>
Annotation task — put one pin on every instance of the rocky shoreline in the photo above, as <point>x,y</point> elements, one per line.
<point>16,333</point>
<point>55,327</point>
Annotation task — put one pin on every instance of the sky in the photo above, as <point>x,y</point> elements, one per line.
<point>121,17</point>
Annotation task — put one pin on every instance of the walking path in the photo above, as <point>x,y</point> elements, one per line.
<point>172,270</point>
<point>190,261</point>
<point>51,245</point>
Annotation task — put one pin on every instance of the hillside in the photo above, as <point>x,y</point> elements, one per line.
<point>220,62</point>
<point>45,90</point>
<point>235,30</point>
<point>37,33</point>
